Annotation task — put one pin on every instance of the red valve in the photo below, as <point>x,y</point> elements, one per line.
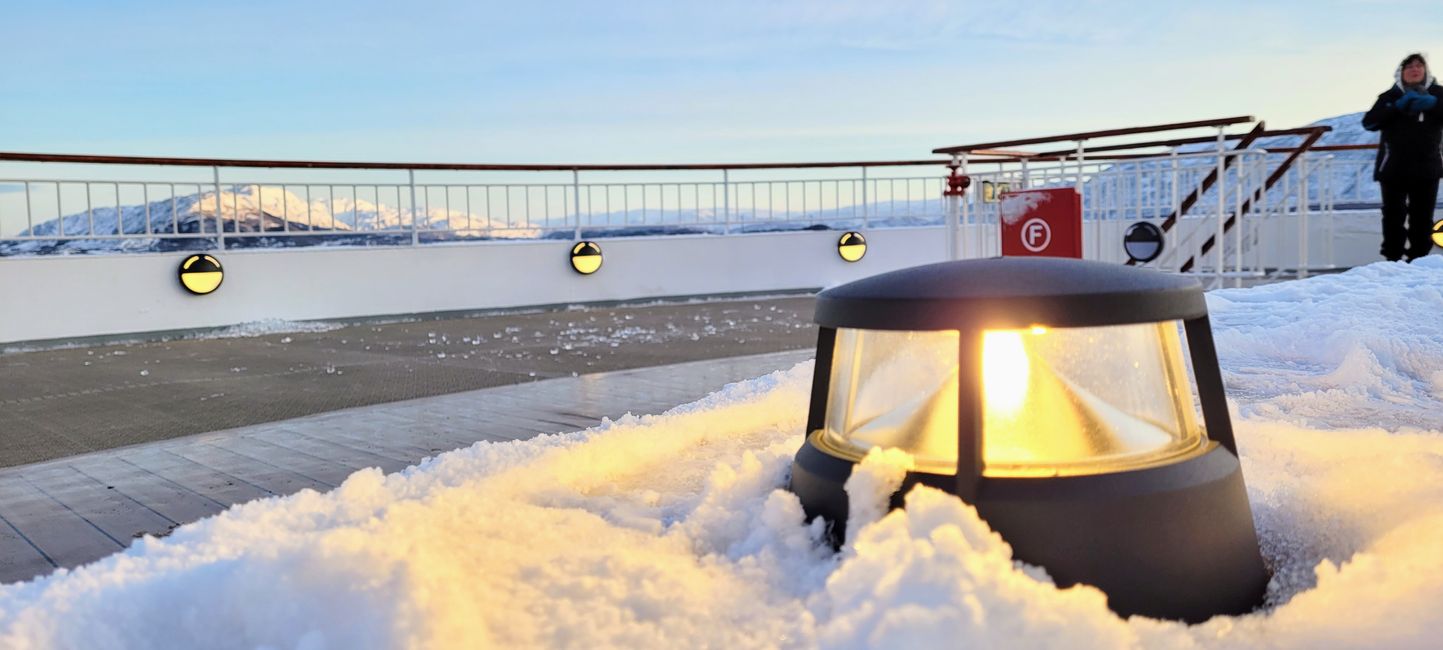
<point>957,183</point>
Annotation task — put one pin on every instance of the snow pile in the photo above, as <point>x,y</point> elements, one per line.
<point>267,327</point>
<point>671,530</point>
<point>1016,205</point>
<point>1356,349</point>
<point>249,329</point>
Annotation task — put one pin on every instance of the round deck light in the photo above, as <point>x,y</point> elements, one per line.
<point>200,274</point>
<point>586,257</point>
<point>1077,405</point>
<point>852,246</point>
<point>1438,232</point>
<point>1143,242</point>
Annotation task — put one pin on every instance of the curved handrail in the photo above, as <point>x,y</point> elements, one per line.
<point>1091,135</point>
<point>318,164</point>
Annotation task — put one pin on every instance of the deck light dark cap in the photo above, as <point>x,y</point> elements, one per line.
<point>1010,293</point>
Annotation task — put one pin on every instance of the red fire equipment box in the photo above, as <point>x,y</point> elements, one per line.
<point>1042,223</point>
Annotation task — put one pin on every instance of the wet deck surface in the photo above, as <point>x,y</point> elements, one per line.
<point>71,511</point>
<point>61,402</point>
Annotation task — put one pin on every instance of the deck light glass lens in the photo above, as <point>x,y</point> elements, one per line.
<point>1086,400</point>
<point>1056,401</point>
<point>894,389</point>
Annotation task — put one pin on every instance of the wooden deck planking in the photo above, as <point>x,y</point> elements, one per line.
<point>75,510</point>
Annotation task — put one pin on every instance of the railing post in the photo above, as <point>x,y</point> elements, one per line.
<point>1325,203</point>
<point>966,216</point>
<point>1081,154</point>
<point>1303,216</point>
<point>865,207</point>
<point>415,223</point>
<point>30,214</point>
<point>953,206</point>
<point>1137,189</point>
<point>1026,180</point>
<point>1222,176</point>
<point>219,219</point>
<point>726,202</point>
<point>60,209</point>
<point>1081,199</point>
<point>1176,202</point>
<point>1263,210</point>
<point>1238,224</point>
<point>576,205</point>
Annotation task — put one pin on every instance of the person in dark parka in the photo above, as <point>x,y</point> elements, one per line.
<point>1410,161</point>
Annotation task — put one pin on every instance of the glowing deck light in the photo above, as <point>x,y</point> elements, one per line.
<point>586,257</point>
<point>200,274</point>
<point>1054,395</point>
<point>852,246</point>
<point>1005,372</point>
<point>1046,414</point>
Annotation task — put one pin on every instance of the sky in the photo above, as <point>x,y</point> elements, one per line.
<point>658,81</point>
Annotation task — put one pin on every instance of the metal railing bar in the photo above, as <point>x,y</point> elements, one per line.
<point>318,164</point>
<point>1092,135</point>
<point>118,237</point>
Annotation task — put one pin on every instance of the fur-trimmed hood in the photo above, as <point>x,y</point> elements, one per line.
<point>1427,75</point>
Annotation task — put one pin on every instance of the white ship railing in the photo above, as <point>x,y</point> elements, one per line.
<point>57,204</point>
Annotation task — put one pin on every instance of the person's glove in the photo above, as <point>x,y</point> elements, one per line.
<point>1405,103</point>
<point>1424,103</point>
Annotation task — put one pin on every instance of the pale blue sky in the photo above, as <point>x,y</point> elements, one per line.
<point>669,81</point>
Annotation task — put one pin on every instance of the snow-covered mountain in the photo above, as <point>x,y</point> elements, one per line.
<point>244,209</point>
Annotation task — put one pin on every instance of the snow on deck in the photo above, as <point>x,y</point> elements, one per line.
<point>673,530</point>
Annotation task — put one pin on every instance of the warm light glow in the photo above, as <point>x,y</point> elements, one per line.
<point>201,274</point>
<point>1005,371</point>
<point>586,257</point>
<point>1029,416</point>
<point>852,246</point>
<point>1055,402</point>
<point>1082,400</point>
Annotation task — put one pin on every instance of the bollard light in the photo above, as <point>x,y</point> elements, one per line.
<point>1077,405</point>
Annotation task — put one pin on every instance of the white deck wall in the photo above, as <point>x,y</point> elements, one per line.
<point>69,297</point>
<point>46,298</point>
